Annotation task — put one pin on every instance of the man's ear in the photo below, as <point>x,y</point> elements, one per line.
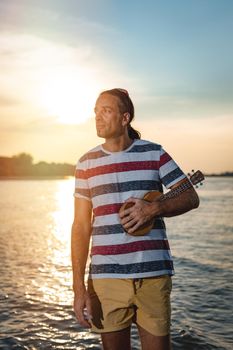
<point>126,118</point>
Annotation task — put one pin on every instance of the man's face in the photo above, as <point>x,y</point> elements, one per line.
<point>110,123</point>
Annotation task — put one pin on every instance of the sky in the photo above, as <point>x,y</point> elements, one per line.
<point>173,56</point>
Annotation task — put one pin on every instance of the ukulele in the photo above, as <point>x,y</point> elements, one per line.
<point>194,179</point>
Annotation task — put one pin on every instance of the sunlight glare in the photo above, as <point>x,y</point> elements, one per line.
<point>69,94</point>
<point>65,208</point>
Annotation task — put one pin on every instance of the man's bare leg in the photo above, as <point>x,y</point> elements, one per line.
<point>119,340</point>
<point>152,342</point>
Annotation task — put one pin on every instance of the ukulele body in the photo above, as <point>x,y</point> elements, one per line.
<point>147,226</point>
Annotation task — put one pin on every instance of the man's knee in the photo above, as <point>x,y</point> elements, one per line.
<point>154,342</point>
<point>118,340</point>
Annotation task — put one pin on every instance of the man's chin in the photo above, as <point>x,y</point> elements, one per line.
<point>100,134</point>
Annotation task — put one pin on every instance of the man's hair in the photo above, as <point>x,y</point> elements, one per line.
<point>125,106</point>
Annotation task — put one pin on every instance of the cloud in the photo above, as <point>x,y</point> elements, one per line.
<point>55,21</point>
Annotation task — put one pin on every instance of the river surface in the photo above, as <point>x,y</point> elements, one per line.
<point>35,269</point>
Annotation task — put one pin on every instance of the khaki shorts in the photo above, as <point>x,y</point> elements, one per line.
<point>116,303</point>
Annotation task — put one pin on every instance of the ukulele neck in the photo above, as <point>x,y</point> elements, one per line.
<point>175,192</point>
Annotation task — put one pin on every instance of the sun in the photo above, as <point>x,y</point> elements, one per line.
<point>69,95</point>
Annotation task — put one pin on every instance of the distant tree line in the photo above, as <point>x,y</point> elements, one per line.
<point>226,173</point>
<point>22,165</point>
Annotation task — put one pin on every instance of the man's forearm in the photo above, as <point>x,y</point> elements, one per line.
<point>79,251</point>
<point>186,201</point>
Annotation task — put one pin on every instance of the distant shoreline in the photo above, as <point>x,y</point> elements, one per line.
<point>21,167</point>
<point>227,174</point>
<point>52,177</point>
<point>67,177</point>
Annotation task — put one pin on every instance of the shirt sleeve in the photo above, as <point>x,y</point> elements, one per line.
<point>81,182</point>
<point>169,172</point>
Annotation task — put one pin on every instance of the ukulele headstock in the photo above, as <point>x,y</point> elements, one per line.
<point>196,177</point>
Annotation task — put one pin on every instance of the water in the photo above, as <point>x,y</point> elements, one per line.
<point>35,271</point>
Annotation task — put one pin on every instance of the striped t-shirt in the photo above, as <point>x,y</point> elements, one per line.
<point>107,179</point>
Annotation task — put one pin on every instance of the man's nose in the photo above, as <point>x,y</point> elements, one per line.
<point>99,114</point>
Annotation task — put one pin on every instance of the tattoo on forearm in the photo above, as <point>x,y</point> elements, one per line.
<point>184,186</point>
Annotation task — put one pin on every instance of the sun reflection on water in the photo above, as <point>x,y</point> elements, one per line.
<point>58,286</point>
<point>63,214</point>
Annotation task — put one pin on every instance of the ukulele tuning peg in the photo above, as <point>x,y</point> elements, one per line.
<point>196,186</point>
<point>192,170</point>
<point>189,174</point>
<point>201,183</point>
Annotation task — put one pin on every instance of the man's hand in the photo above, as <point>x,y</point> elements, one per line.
<point>137,215</point>
<point>82,309</point>
<point>143,211</point>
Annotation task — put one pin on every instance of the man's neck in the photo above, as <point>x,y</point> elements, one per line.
<point>117,144</point>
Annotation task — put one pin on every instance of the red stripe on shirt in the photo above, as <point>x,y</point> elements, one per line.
<point>107,209</point>
<point>120,167</point>
<point>130,247</point>
<point>80,174</point>
<point>164,159</point>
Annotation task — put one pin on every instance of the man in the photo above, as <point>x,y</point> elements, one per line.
<point>129,276</point>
